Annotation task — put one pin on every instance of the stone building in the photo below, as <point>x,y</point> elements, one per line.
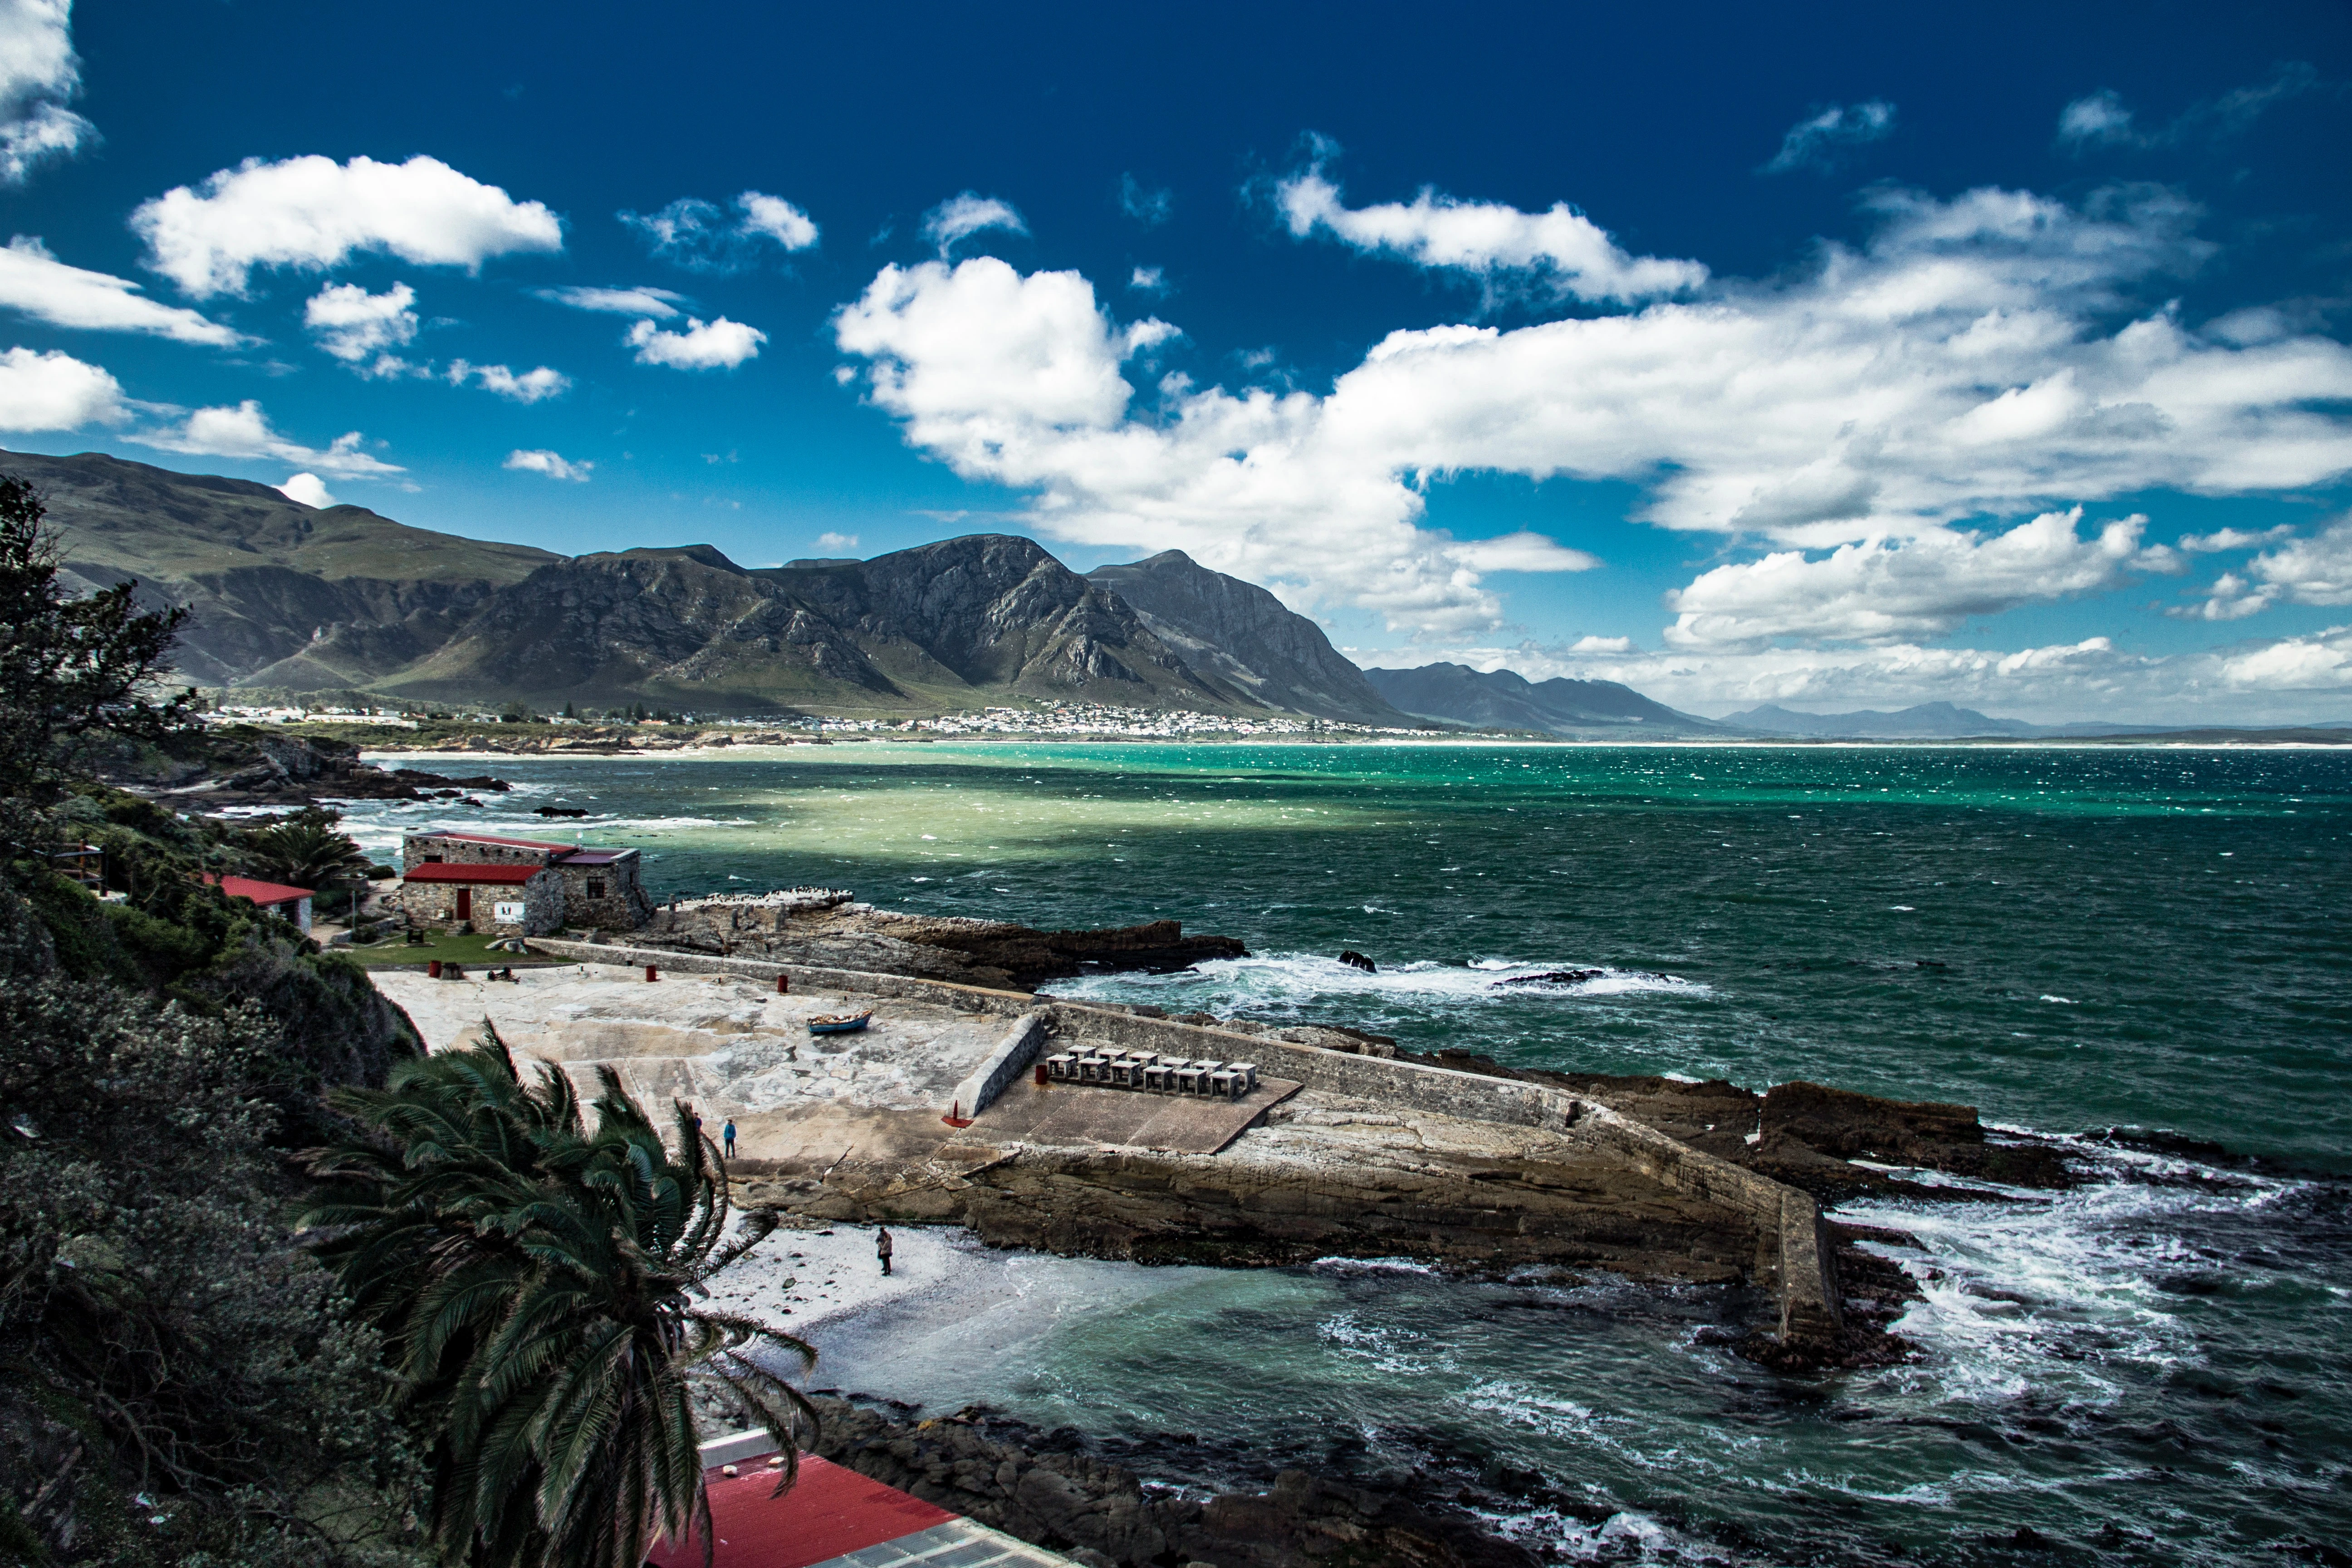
<point>602,889</point>
<point>492,901</point>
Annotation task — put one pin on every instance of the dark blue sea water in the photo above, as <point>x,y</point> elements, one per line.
<point>2147,1369</point>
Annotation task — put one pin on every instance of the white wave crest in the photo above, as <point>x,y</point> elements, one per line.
<point>1281,980</point>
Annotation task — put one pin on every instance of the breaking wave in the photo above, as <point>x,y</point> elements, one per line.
<point>1279,982</point>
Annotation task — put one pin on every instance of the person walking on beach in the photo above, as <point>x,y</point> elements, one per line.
<point>882,1249</point>
<point>728,1134</point>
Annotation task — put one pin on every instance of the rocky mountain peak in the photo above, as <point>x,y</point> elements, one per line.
<point>1243,634</point>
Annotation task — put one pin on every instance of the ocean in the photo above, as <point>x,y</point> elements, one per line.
<point>2142,951</point>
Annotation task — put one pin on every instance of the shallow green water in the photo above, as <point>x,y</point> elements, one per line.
<point>2145,1370</point>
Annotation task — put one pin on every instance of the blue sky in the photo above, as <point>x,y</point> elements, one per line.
<point>1741,358</point>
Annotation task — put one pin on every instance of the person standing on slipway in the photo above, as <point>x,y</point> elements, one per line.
<point>727,1136</point>
<point>882,1249</point>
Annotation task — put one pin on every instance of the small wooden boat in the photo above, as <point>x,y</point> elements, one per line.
<point>840,1023</point>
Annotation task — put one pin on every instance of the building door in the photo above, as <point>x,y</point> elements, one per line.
<point>465,903</point>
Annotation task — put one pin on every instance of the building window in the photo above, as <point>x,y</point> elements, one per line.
<point>595,888</point>
<point>433,860</point>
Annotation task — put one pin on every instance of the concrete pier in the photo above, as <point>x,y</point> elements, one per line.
<point>1369,1153</point>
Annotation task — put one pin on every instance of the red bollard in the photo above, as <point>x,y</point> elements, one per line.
<point>433,969</point>
<point>783,984</point>
<point>649,973</point>
<point>1041,1075</point>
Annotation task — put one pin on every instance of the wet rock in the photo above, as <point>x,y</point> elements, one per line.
<point>1046,1489</point>
<point>245,765</point>
<point>1355,959</point>
<point>994,953</point>
<point>1554,977</point>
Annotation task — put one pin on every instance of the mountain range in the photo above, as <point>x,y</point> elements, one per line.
<point>286,597</point>
<point>1504,700</point>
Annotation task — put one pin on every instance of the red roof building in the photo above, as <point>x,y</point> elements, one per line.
<point>294,904</point>
<point>600,889</point>
<point>836,1518</point>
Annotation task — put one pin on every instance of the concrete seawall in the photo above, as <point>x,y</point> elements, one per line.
<point>1794,1254</point>
<point>1013,1054</point>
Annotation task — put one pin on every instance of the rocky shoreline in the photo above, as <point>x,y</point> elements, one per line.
<point>833,931</point>
<point>1057,1490</point>
<point>245,765</point>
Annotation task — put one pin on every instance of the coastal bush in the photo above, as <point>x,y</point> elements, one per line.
<point>537,1287</point>
<point>179,1382</point>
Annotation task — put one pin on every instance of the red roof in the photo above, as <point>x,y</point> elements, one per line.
<point>830,1511</point>
<point>266,894</point>
<point>443,871</point>
<point>509,843</point>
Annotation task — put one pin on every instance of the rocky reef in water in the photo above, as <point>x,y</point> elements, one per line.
<point>837,933</point>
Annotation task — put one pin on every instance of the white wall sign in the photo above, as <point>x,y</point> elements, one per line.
<point>510,914</point>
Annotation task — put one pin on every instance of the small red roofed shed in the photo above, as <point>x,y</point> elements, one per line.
<point>294,904</point>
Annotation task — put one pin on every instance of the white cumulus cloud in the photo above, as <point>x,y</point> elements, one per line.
<point>1976,359</point>
<point>969,214</point>
<point>549,463</point>
<point>778,219</point>
<point>699,236</point>
<point>55,391</point>
<point>1900,590</point>
<point>530,386</point>
<point>309,489</point>
<point>363,328</point>
<point>37,283</point>
<point>311,213</point>
<point>719,344</point>
<point>2314,570</point>
<point>836,544</point>
<point>243,430</point>
<point>1567,251</point>
<point>658,303</point>
<point>1819,141</point>
<point>2264,681</point>
<point>39,75</point>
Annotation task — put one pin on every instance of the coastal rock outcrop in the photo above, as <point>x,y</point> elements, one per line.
<point>1805,1134</point>
<point>249,765</point>
<point>842,934</point>
<point>1046,1489</point>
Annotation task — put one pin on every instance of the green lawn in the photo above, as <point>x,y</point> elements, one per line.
<point>469,950</point>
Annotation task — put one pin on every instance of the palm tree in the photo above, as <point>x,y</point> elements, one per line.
<point>537,1285</point>
<point>305,851</point>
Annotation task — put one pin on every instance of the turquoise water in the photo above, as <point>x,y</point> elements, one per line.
<point>2147,1369</point>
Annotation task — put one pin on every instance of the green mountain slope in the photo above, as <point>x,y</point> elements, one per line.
<point>283,595</point>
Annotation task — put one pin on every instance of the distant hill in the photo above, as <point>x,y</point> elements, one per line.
<point>1504,700</point>
<point>1923,719</point>
<point>1246,639</point>
<point>288,597</point>
<point>983,618</point>
<point>266,575</point>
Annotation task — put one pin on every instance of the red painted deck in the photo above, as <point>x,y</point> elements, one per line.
<point>829,1511</point>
